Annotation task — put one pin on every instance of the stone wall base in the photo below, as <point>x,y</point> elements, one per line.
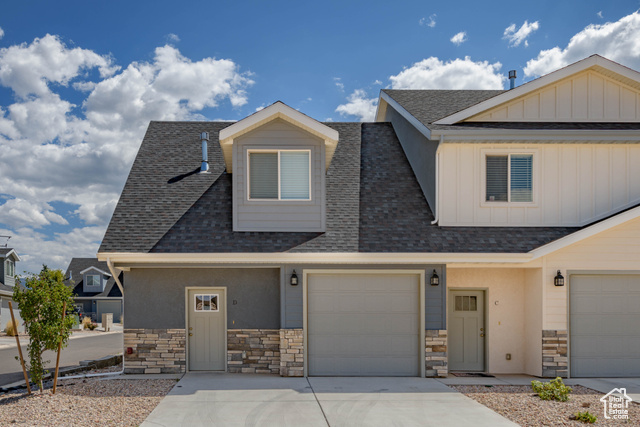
<point>291,352</point>
<point>436,353</point>
<point>154,351</point>
<point>254,351</point>
<point>554,354</point>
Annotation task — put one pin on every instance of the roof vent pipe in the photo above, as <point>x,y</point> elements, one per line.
<point>204,168</point>
<point>512,79</point>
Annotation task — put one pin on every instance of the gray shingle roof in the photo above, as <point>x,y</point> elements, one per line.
<point>76,265</point>
<point>374,203</point>
<point>5,251</point>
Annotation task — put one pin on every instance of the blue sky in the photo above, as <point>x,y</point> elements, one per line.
<point>79,81</point>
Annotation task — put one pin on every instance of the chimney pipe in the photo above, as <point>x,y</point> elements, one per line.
<point>512,79</point>
<point>204,168</point>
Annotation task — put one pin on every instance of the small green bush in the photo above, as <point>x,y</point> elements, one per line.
<point>585,417</point>
<point>553,390</point>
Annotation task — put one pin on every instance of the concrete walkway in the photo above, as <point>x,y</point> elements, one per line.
<point>267,400</point>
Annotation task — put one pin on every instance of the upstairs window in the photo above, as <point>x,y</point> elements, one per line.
<point>10,268</point>
<point>509,178</point>
<point>93,280</point>
<point>280,175</point>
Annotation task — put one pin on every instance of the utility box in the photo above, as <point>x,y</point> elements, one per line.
<point>107,321</point>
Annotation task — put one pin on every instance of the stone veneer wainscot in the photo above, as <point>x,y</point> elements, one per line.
<point>291,352</point>
<point>253,351</point>
<point>436,353</point>
<point>155,351</point>
<point>554,353</point>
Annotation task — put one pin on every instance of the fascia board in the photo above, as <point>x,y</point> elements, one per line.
<point>13,253</point>
<point>404,113</point>
<point>529,134</point>
<point>96,269</point>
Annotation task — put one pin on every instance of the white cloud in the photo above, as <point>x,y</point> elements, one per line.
<point>430,21</point>
<point>618,41</point>
<point>52,150</point>
<point>360,106</point>
<point>433,73</point>
<point>173,37</point>
<point>338,83</point>
<point>378,82</point>
<point>1,33</point>
<point>459,38</point>
<point>516,37</point>
<point>599,14</point>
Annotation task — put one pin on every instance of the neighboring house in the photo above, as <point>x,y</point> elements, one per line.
<point>95,289</point>
<point>491,231</point>
<point>8,260</point>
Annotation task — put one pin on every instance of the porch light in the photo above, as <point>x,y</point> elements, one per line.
<point>294,279</point>
<point>435,280</point>
<point>559,279</point>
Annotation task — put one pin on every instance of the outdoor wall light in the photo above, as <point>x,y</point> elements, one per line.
<point>435,280</point>
<point>294,279</point>
<point>559,279</point>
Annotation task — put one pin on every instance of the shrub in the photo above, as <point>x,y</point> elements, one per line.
<point>11,329</point>
<point>86,321</point>
<point>91,326</point>
<point>585,417</point>
<point>553,390</point>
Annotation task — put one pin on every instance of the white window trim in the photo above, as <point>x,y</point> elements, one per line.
<point>99,281</point>
<point>509,152</point>
<point>278,151</point>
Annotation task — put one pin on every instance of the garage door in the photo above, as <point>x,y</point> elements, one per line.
<point>114,307</point>
<point>605,325</point>
<point>363,325</point>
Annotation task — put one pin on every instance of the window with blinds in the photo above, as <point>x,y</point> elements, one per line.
<point>509,178</point>
<point>279,175</point>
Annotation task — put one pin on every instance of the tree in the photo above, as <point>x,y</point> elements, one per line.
<point>40,303</point>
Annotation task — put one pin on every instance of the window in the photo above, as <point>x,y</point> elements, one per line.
<point>206,302</point>
<point>93,280</point>
<point>280,175</point>
<point>466,303</point>
<point>10,268</point>
<point>509,178</point>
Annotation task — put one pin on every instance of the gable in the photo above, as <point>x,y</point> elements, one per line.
<point>593,95</point>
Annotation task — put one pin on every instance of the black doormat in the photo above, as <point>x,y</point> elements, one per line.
<point>472,374</point>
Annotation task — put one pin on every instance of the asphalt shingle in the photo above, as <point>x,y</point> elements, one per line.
<point>74,279</point>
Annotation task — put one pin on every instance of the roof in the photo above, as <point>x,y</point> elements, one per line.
<point>5,252</point>
<point>374,202</point>
<point>74,278</point>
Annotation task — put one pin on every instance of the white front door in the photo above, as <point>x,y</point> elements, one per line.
<point>466,330</point>
<point>206,330</point>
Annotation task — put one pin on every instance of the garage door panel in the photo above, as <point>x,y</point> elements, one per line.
<point>605,325</point>
<point>363,324</point>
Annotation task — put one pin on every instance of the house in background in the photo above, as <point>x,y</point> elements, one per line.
<point>8,259</point>
<point>474,231</point>
<point>94,288</point>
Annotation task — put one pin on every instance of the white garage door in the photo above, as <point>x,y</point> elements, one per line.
<point>364,325</point>
<point>605,325</point>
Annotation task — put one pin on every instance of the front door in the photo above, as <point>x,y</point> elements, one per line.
<point>206,330</point>
<point>466,331</point>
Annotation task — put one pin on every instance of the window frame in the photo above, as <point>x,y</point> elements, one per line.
<point>93,275</point>
<point>278,151</point>
<point>210,295</point>
<point>509,152</point>
<point>10,268</point>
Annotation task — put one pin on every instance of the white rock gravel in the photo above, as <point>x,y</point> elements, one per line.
<point>85,402</point>
<point>521,405</point>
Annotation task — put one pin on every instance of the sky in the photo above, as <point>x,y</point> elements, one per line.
<point>80,81</point>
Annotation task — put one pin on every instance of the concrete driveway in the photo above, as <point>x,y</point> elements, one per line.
<point>266,400</point>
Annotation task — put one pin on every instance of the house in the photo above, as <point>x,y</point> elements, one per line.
<point>8,259</point>
<point>490,231</point>
<point>95,289</point>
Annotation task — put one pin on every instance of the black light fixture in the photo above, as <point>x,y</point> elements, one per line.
<point>559,279</point>
<point>294,279</point>
<point>435,280</point>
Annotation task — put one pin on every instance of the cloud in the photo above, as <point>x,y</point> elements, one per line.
<point>79,152</point>
<point>1,33</point>
<point>459,38</point>
<point>173,37</point>
<point>618,41</point>
<point>516,37</point>
<point>378,82</point>
<point>433,73</point>
<point>338,83</point>
<point>430,21</point>
<point>599,14</point>
<point>359,105</point>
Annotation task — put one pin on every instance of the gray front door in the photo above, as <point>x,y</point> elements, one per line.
<point>206,330</point>
<point>466,331</point>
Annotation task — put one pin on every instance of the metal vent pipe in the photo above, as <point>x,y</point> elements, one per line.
<point>204,136</point>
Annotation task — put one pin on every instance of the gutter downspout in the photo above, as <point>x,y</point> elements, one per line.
<point>437,207</point>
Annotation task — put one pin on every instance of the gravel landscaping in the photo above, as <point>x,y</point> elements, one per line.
<point>88,402</point>
<point>521,405</point>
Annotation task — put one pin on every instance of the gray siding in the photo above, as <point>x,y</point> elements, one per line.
<point>87,288</point>
<point>278,215</point>
<point>155,298</point>
<point>420,152</point>
<point>435,296</point>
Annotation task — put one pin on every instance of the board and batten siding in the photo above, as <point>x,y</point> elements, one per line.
<point>278,215</point>
<point>586,96</point>
<point>615,250</point>
<point>573,184</point>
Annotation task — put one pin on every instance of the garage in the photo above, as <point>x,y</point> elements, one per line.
<point>114,307</point>
<point>605,325</point>
<point>365,324</point>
